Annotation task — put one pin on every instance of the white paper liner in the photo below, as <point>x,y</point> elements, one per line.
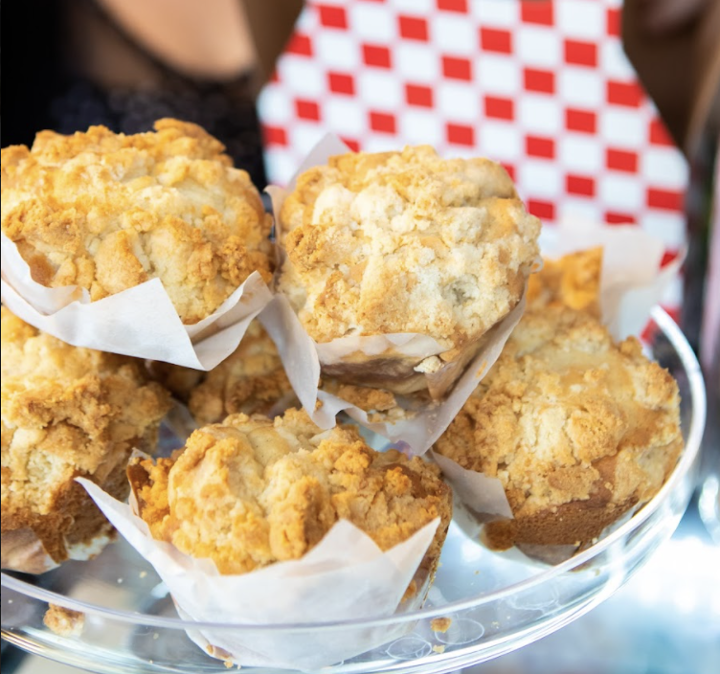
<point>632,282</point>
<point>345,577</point>
<point>140,322</point>
<point>302,364</point>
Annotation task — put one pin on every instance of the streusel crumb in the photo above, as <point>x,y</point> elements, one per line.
<point>254,491</point>
<point>577,428</point>
<point>405,242</point>
<point>107,212</point>
<point>68,412</point>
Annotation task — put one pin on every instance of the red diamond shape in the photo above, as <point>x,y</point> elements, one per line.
<point>457,68</point>
<point>459,134</point>
<point>382,122</point>
<point>413,28</point>
<point>416,94</point>
<point>541,81</point>
<point>275,135</point>
<point>499,108</point>
<point>621,160</point>
<point>496,40</point>
<point>541,209</point>
<point>453,5</point>
<point>580,185</point>
<point>584,121</point>
<point>581,53</point>
<point>300,45</point>
<point>307,110</point>
<point>340,83</point>
<point>537,12</point>
<point>627,94</point>
<point>332,16</point>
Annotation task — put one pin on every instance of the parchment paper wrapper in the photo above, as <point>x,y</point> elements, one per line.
<point>23,551</point>
<point>380,361</point>
<point>426,424</point>
<point>140,322</point>
<point>345,577</point>
<point>632,282</point>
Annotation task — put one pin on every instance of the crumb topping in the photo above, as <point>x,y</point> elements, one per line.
<point>405,242</point>
<point>107,212</point>
<point>67,412</point>
<point>253,491</point>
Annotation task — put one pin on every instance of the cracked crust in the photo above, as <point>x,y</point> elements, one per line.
<point>107,212</point>
<point>68,412</point>
<point>577,428</point>
<point>254,491</point>
<point>405,242</point>
<point>251,380</point>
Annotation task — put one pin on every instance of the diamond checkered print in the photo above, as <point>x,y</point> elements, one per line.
<point>542,87</point>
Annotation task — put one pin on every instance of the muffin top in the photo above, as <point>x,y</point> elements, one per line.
<point>253,491</point>
<point>565,413</point>
<point>405,242</point>
<point>571,281</point>
<point>66,411</point>
<point>107,212</point>
<point>251,380</point>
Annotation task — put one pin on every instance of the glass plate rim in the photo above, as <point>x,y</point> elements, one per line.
<point>692,447</point>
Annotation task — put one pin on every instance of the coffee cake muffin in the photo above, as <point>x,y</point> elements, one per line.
<point>66,412</point>
<point>251,380</point>
<point>578,429</point>
<point>252,491</point>
<point>107,212</point>
<point>404,242</point>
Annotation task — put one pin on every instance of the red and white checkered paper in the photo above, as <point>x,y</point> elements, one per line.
<point>542,87</point>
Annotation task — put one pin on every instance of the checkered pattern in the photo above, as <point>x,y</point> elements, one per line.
<point>542,87</point>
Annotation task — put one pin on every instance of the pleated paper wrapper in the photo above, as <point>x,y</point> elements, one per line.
<point>140,321</point>
<point>345,577</point>
<point>420,425</point>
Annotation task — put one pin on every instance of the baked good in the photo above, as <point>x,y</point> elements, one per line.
<point>251,380</point>
<point>571,281</point>
<point>107,212</point>
<point>578,429</point>
<point>252,491</point>
<point>66,412</point>
<point>404,242</point>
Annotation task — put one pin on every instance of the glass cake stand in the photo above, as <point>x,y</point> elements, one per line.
<point>496,602</point>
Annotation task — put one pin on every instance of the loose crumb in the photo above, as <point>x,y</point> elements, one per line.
<point>438,648</point>
<point>440,624</point>
<point>143,574</point>
<point>63,621</point>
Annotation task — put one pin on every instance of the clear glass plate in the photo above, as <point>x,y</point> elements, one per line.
<point>497,602</point>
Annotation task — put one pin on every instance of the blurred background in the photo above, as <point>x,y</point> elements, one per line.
<point>599,109</point>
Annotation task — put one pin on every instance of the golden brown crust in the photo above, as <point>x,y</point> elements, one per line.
<point>68,412</point>
<point>405,242</point>
<point>571,281</point>
<point>577,428</point>
<point>253,491</point>
<point>251,380</point>
<point>107,212</point>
